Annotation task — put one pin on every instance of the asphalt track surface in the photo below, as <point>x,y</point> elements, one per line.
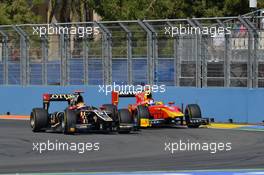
<point>143,151</point>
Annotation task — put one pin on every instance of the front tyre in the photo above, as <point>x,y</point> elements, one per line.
<point>125,119</point>
<point>192,112</point>
<point>38,119</point>
<point>69,122</point>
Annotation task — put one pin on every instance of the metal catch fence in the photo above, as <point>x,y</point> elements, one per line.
<point>197,52</point>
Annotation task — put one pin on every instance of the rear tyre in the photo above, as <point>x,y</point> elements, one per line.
<point>69,122</point>
<point>39,119</point>
<point>125,118</point>
<point>192,111</point>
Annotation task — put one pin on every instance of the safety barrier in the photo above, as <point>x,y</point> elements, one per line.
<point>239,104</point>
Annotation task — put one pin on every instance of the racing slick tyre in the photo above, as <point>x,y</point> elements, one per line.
<point>142,112</point>
<point>39,119</point>
<point>113,109</point>
<point>124,118</point>
<point>69,122</point>
<point>192,111</point>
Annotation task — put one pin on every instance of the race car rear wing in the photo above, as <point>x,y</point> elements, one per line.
<point>47,98</point>
<point>117,94</point>
<point>58,97</point>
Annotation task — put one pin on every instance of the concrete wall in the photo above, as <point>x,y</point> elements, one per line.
<point>240,104</point>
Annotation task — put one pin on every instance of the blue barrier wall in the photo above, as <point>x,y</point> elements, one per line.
<point>240,104</point>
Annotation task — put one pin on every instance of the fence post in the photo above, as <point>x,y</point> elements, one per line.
<point>86,57</point>
<point>177,61</point>
<point>203,54</point>
<point>252,53</point>
<point>228,53</point>
<point>150,71</point>
<point>129,52</point>
<point>5,57</point>
<point>106,51</point>
<point>226,56</point>
<point>255,53</point>
<point>198,56</point>
<point>63,59</point>
<point>24,56</point>
<point>67,40</point>
<point>44,48</point>
<point>155,53</point>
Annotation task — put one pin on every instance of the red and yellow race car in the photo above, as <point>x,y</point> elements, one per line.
<point>147,113</point>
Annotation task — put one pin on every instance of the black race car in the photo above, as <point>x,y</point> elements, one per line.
<point>77,116</point>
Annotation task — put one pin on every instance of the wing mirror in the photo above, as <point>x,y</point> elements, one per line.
<point>102,108</point>
<point>171,103</point>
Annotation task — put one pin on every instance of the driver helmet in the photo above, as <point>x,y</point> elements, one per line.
<point>80,102</point>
